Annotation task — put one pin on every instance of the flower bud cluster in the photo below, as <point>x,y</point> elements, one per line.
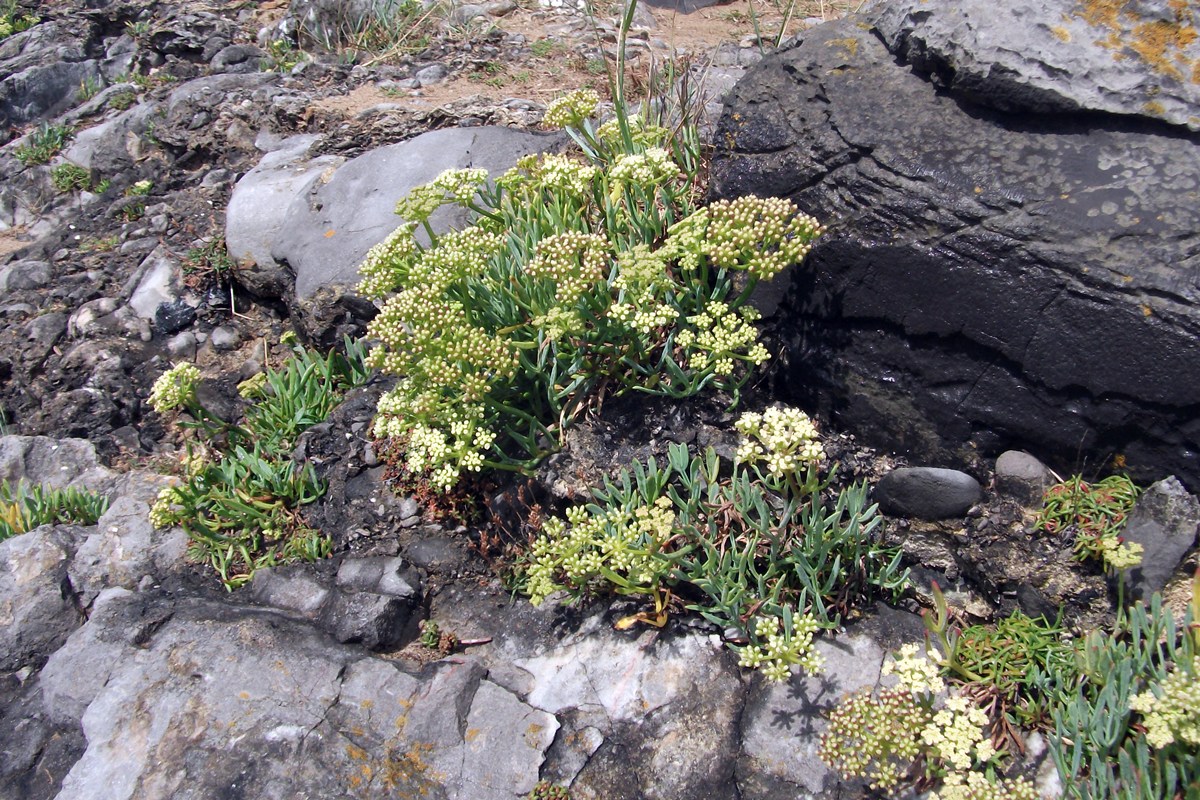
<point>457,186</point>
<point>647,169</point>
<point>386,265</point>
<point>642,133</point>
<point>458,255</point>
<point>761,235</point>
<point>720,336</point>
<point>612,542</point>
<point>574,261</point>
<point>175,388</point>
<point>778,649</point>
<point>1171,710</point>
<point>559,322</point>
<point>165,511</point>
<point>875,738</point>
<point>570,110</point>
<point>642,278</point>
<point>561,173</point>
<point>782,437</point>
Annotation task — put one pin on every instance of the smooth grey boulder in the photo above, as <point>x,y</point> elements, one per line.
<point>1022,476</point>
<point>1140,59</point>
<point>331,227</point>
<point>990,280</point>
<point>927,493</point>
<point>259,206</point>
<point>1164,522</point>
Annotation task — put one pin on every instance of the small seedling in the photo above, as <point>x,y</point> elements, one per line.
<point>122,100</point>
<point>88,88</point>
<point>24,507</point>
<point>43,144</point>
<point>70,177</point>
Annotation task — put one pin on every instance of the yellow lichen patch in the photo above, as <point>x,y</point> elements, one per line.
<point>849,44</point>
<point>1160,44</point>
<point>1101,13</point>
<point>1146,310</point>
<point>367,704</point>
<point>1154,107</point>
<point>472,734</point>
<point>1061,33</point>
<point>357,753</point>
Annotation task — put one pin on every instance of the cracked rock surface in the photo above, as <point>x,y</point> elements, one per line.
<point>991,278</point>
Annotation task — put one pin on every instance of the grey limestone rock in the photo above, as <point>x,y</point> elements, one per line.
<point>927,493</point>
<point>1164,522</point>
<point>1138,59</point>
<point>259,206</point>
<point>991,279</point>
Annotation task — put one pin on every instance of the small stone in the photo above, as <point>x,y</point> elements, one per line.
<point>288,588</point>
<point>467,12</point>
<point>434,73</point>
<point>365,618</point>
<point>500,8</point>
<point>1022,477</point>
<point>216,178</point>
<point>927,493</point>
<point>182,345</point>
<point>369,458</point>
<point>173,317</point>
<point>225,337</point>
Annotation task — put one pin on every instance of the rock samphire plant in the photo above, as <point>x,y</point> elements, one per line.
<point>582,275</point>
<point>240,498</point>
<point>759,550</point>
<point>24,507</point>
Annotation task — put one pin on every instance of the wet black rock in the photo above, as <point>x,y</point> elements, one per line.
<point>991,279</point>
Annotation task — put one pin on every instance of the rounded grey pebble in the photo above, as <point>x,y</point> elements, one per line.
<point>927,493</point>
<point>225,338</point>
<point>182,345</point>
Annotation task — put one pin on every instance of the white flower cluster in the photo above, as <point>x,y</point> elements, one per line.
<point>561,173</point>
<point>782,437</point>
<point>386,265</point>
<point>574,261</point>
<point>956,734</point>
<point>456,186</point>
<point>1171,710</point>
<point>914,672</point>
<point>647,169</point>
<point>615,541</point>
<point>572,109</point>
<point>719,337</point>
<point>641,278</point>
<point>780,650</point>
<point>445,453</point>
<point>1118,554</point>
<point>174,388</point>
<point>977,786</point>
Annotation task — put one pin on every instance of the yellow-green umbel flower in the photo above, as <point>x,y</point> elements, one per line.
<point>570,110</point>
<point>1171,709</point>
<point>175,388</point>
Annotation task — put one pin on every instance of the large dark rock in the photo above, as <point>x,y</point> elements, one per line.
<point>1164,522</point>
<point>991,279</point>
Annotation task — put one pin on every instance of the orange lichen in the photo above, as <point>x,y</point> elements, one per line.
<point>1061,33</point>
<point>1161,44</point>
